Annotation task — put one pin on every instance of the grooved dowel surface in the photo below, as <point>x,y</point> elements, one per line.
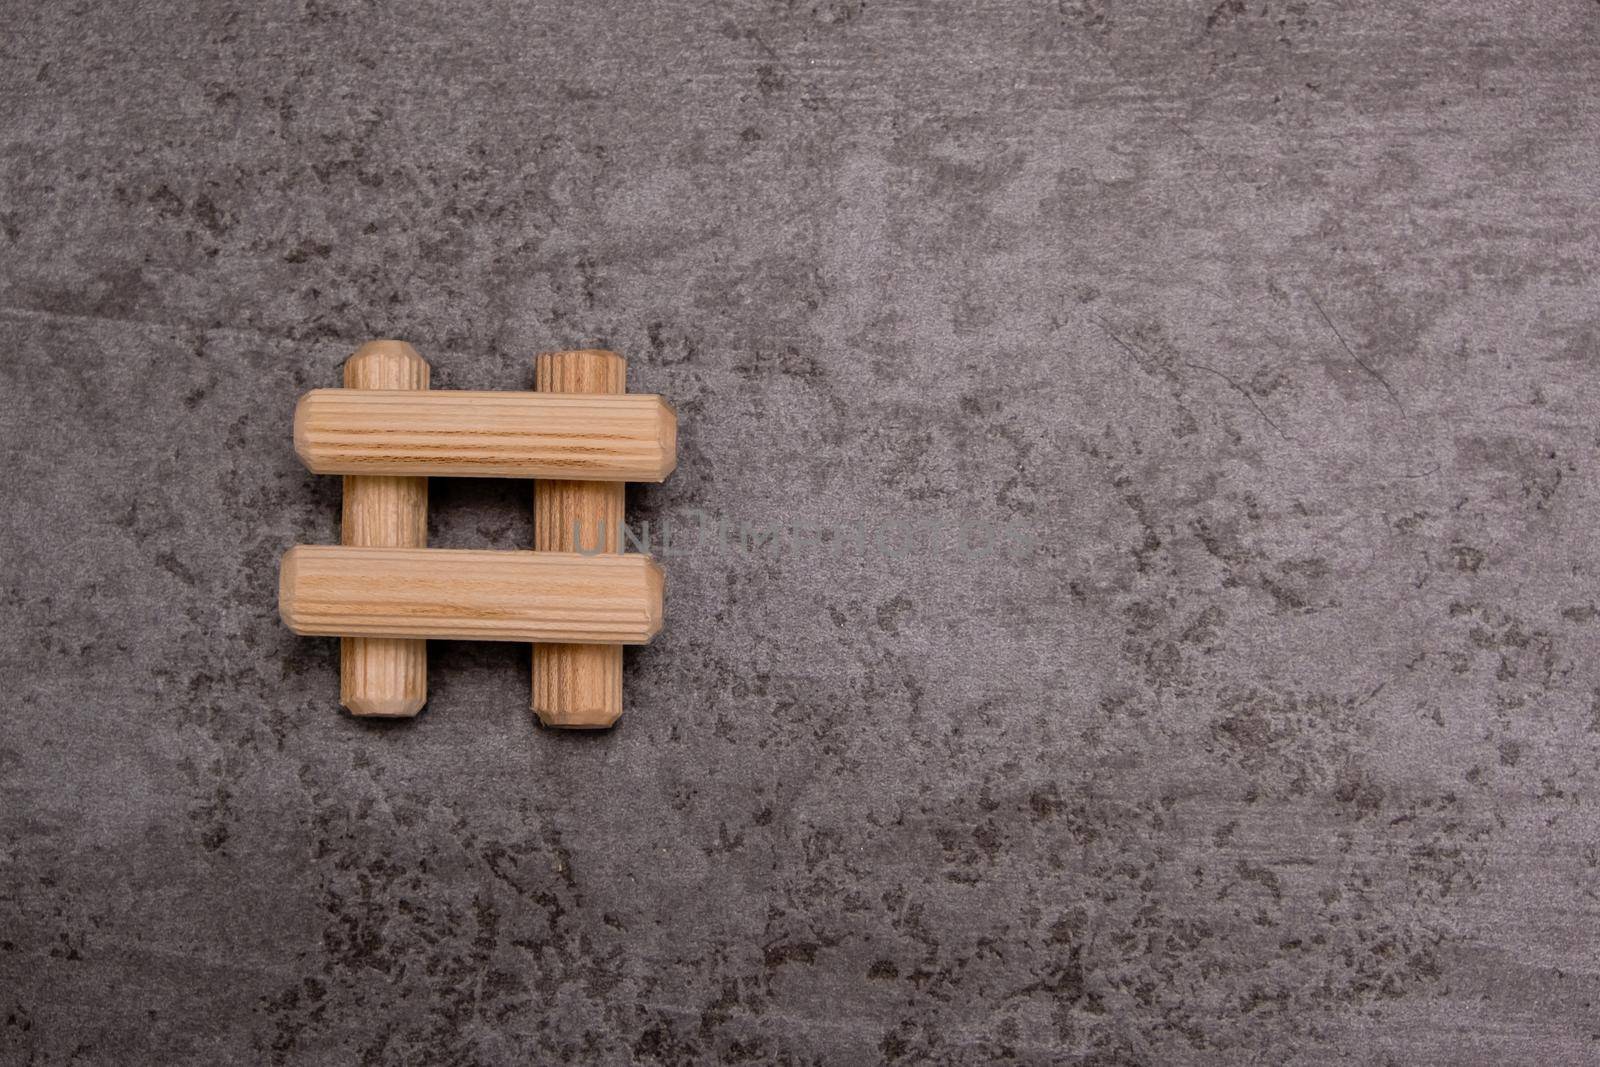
<point>578,686</point>
<point>383,675</point>
<point>468,594</point>
<point>486,435</point>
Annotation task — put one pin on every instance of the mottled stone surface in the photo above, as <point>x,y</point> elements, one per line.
<point>1275,323</point>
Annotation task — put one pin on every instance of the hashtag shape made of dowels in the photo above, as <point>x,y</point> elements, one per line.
<point>581,437</point>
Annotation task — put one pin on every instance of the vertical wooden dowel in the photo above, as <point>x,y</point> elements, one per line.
<point>384,676</point>
<point>578,686</point>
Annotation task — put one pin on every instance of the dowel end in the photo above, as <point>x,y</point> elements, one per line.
<point>383,678</point>
<point>577,687</point>
<point>369,707</point>
<point>386,364</point>
<point>655,584</point>
<point>581,370</point>
<point>288,582</point>
<point>302,432</point>
<point>668,440</point>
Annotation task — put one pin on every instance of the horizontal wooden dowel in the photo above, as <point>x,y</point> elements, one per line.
<point>383,675</point>
<point>463,594</point>
<point>628,438</point>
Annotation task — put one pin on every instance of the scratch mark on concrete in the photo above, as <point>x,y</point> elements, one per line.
<point>1359,361</point>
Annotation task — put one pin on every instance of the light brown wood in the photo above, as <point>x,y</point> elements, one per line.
<point>486,435</point>
<point>467,594</point>
<point>578,686</point>
<point>381,675</point>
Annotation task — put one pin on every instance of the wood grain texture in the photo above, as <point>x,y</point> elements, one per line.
<point>578,686</point>
<point>486,435</point>
<point>381,675</point>
<point>469,594</point>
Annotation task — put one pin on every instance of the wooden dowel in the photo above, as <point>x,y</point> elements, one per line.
<point>486,435</point>
<point>469,594</point>
<point>578,686</point>
<point>379,675</point>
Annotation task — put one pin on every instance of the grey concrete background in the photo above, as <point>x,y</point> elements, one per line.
<point>1276,322</point>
